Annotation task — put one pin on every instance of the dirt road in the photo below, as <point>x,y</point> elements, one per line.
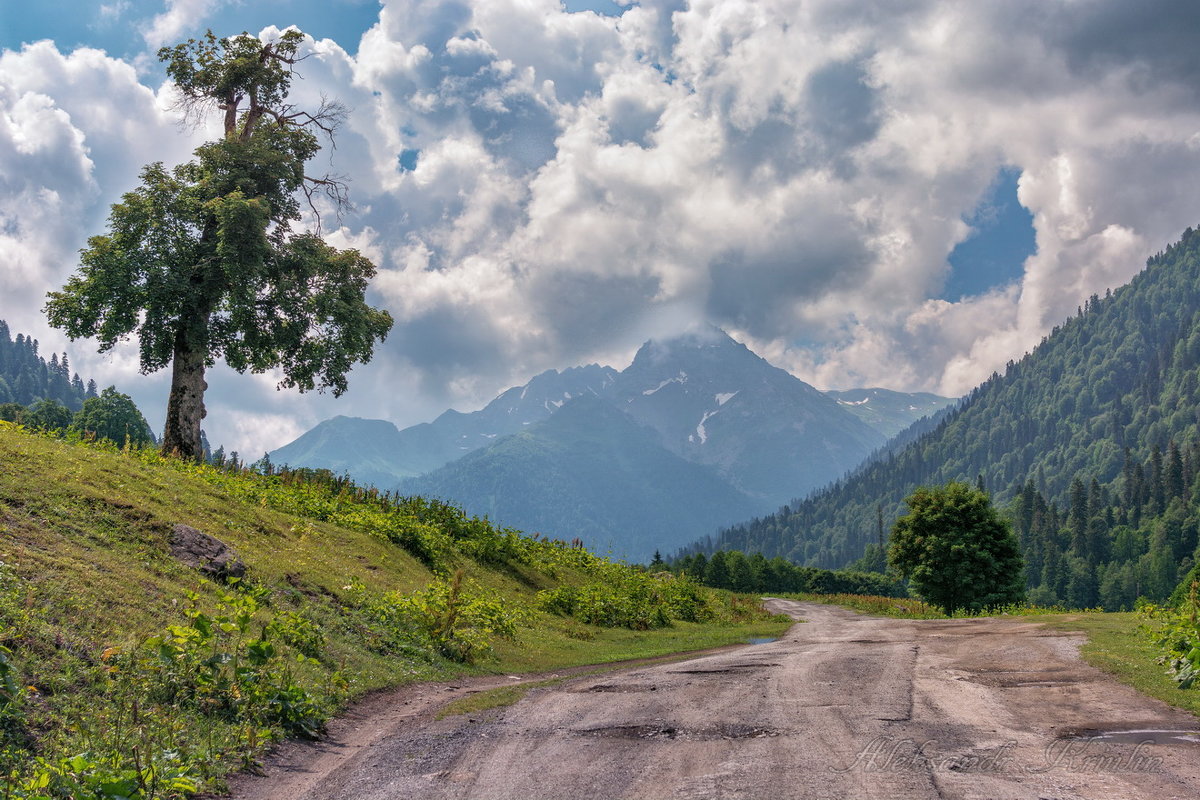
<point>843,707</point>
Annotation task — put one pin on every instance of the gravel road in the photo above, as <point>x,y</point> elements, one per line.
<point>843,707</point>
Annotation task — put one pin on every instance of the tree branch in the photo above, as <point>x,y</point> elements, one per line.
<point>334,188</point>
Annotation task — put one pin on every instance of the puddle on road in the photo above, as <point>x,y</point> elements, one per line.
<point>763,640</point>
<point>1145,736</point>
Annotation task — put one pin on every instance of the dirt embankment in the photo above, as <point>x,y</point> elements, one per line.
<point>844,706</point>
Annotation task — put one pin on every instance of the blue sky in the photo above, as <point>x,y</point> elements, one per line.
<point>1001,238</point>
<point>898,195</point>
<point>113,26</point>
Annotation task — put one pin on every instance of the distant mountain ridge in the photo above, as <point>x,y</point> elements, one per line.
<point>570,453</point>
<point>377,452</point>
<point>890,412</point>
<point>714,402</point>
<point>591,472</point>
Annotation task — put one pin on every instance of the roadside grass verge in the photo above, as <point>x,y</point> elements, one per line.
<point>899,607</point>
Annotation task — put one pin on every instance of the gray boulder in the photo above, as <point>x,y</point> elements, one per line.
<point>208,554</point>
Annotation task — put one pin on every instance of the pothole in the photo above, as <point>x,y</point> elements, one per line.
<point>1155,736</point>
<point>725,669</point>
<point>660,731</point>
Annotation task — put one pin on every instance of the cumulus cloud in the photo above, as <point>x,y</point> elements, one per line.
<point>180,18</point>
<point>542,188</point>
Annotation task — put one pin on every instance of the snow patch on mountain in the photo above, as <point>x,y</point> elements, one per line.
<point>680,378</point>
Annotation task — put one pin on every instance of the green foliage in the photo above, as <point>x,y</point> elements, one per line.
<point>624,598</point>
<point>1175,631</point>
<point>47,415</point>
<point>115,417</point>
<point>956,551</point>
<point>86,776</point>
<point>26,377</point>
<point>216,665</point>
<point>210,691</point>
<point>459,622</point>
<point>738,572</point>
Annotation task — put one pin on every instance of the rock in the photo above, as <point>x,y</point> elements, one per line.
<point>206,553</point>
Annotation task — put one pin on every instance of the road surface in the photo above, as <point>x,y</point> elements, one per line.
<point>843,707</point>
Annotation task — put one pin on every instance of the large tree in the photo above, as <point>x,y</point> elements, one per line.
<point>956,550</point>
<point>200,261</point>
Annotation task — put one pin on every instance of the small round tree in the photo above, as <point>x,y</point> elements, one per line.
<point>115,417</point>
<point>956,551</point>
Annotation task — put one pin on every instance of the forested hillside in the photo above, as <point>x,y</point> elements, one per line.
<point>1091,440</point>
<point>26,377</point>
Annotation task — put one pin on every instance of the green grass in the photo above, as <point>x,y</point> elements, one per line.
<point>899,607</point>
<point>84,543</point>
<point>489,699</point>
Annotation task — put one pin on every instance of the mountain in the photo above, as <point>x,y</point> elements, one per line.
<point>714,402</point>
<point>889,412</point>
<point>365,448</point>
<point>376,452</point>
<point>1092,441</point>
<point>428,446</point>
<point>751,433</point>
<point>591,472</point>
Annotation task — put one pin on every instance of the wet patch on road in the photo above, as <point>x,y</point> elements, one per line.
<point>1155,736</point>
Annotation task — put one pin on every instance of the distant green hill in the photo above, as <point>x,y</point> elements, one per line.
<point>365,448</point>
<point>1092,439</point>
<point>589,472</point>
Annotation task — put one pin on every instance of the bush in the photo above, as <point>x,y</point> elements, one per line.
<point>460,623</point>
<point>1176,631</point>
<point>627,598</point>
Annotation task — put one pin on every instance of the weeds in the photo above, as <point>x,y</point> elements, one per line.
<point>459,622</point>
<point>1176,632</point>
<point>625,598</point>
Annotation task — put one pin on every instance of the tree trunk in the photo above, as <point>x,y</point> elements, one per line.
<point>185,407</point>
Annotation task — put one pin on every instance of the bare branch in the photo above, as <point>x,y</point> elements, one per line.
<point>328,117</point>
<point>334,188</point>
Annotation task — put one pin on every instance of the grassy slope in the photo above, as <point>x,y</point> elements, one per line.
<point>86,531</point>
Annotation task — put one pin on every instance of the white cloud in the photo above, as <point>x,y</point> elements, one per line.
<point>541,189</point>
<point>180,17</point>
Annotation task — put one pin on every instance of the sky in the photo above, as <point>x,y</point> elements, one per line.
<point>905,194</point>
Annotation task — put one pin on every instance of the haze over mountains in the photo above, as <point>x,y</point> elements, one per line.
<point>696,433</point>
